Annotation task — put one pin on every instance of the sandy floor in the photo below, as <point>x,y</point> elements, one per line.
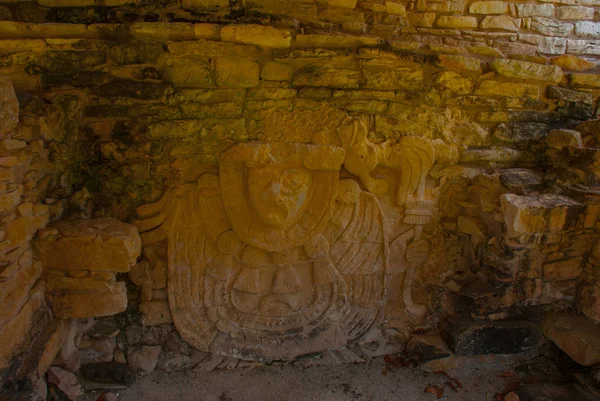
<point>481,378</point>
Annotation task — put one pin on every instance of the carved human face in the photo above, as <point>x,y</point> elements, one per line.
<point>279,194</point>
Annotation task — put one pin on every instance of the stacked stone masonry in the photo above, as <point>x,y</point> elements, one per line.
<point>464,133</point>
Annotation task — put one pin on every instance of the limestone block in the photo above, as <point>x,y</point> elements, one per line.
<point>66,381</point>
<point>501,23</point>
<point>206,5</point>
<point>550,45</point>
<point>186,72</point>
<point>103,244</point>
<point>460,63</point>
<point>558,139</point>
<point>488,7</point>
<point>327,76</point>
<point>454,82</point>
<point>575,335</point>
<point>85,304</point>
<point>381,77</point>
<point>422,20</point>
<point>583,47</point>
<point>391,7</point>
<point>588,301</point>
<point>500,88</point>
<point>528,71</point>
<point>456,22</point>
<point>259,35</point>
<point>155,313</point>
<point>276,71</point>
<point>334,41</point>
<point>536,214</point>
<point>572,63</point>
<point>427,347</point>
<point>9,107</point>
<point>575,13</point>
<point>585,80</point>
<point>341,3</point>
<point>569,269</point>
<point>535,10</point>
<point>207,31</point>
<point>210,48</point>
<point>515,132</point>
<point>236,73</point>
<point>588,29</point>
<point>162,30</point>
<point>550,27</point>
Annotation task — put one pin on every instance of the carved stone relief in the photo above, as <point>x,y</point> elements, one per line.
<point>288,251</point>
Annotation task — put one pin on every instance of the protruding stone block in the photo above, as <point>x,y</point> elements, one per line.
<point>425,348</point>
<point>98,245</point>
<point>536,214</point>
<point>576,335</point>
<point>526,70</point>
<point>84,304</point>
<point>259,35</point>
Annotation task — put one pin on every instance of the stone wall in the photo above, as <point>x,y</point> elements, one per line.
<point>470,127</point>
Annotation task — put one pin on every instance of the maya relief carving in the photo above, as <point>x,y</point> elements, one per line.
<point>286,252</point>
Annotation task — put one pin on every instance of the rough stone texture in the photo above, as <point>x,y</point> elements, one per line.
<point>471,338</point>
<point>9,116</point>
<point>576,335</point>
<point>425,348</point>
<point>96,245</point>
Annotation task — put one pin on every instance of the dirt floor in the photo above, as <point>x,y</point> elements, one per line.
<point>456,379</point>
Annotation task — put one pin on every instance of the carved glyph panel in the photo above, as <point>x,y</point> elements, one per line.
<point>287,251</point>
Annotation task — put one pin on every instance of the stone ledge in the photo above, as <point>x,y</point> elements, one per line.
<point>98,245</point>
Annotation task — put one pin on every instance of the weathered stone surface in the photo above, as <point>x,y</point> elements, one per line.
<point>189,73</point>
<point>550,27</point>
<point>527,70</point>
<point>85,304</point>
<point>568,269</point>
<point>235,73</point>
<point>559,139</point>
<point>588,29</point>
<point>521,132</point>
<point>276,71</point>
<point>488,7</point>
<point>501,22</point>
<point>575,335</point>
<point>536,214</point>
<point>555,92</point>
<point>320,75</point>
<point>588,301</point>
<point>257,35</point>
<point>447,21</point>
<point>107,372</point>
<point>460,63</point>
<point>572,63</point>
<point>66,381</point>
<point>575,12</point>
<point>9,108</point>
<point>466,337</point>
<point>97,244</point>
<point>425,348</point>
<point>520,179</point>
<point>535,10</point>
<point>143,360</point>
<point>551,392</point>
<point>500,88</point>
<point>585,80</point>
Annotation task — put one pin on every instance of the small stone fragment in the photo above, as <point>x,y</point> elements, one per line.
<point>66,381</point>
<point>425,348</point>
<point>144,359</point>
